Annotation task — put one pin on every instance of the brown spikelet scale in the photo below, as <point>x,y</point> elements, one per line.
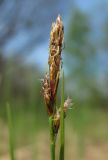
<point>55,48</point>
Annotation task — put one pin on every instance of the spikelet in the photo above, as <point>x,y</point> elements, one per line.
<point>67,104</point>
<point>56,121</point>
<point>47,94</point>
<point>50,83</point>
<point>55,48</point>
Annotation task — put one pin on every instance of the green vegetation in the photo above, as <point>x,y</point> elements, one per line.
<point>11,134</point>
<point>62,126</point>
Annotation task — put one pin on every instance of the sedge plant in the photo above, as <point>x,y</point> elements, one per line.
<point>50,86</point>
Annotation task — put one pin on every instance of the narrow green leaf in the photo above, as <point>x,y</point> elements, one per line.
<point>11,135</point>
<point>52,138</point>
<point>62,127</point>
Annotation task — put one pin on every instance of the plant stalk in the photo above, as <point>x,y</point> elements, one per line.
<point>62,126</point>
<point>52,138</point>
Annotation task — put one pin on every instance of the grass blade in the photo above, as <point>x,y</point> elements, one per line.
<point>11,135</point>
<point>52,138</point>
<point>61,155</point>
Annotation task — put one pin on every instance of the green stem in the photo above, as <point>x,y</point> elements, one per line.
<point>61,155</point>
<point>52,138</point>
<point>11,135</point>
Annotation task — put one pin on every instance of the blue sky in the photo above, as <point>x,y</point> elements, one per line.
<point>90,7</point>
<point>39,54</point>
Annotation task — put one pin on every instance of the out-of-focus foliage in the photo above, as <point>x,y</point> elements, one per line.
<point>82,62</point>
<point>26,22</point>
<point>19,83</point>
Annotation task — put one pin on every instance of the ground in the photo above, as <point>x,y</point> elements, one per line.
<point>39,147</point>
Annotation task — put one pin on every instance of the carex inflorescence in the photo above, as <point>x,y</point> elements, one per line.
<point>51,80</point>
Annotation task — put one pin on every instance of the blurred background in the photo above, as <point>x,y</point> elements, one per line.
<point>24,46</point>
